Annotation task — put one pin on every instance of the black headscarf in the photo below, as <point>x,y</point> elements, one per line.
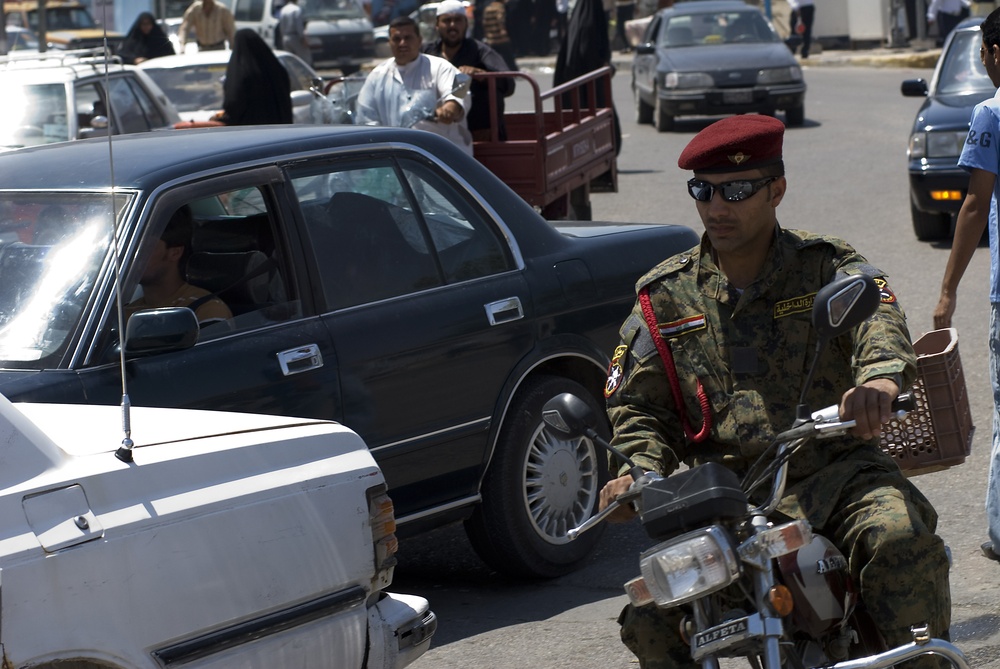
<point>138,44</point>
<point>257,89</point>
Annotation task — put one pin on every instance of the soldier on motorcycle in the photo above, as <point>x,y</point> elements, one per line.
<point>713,359</point>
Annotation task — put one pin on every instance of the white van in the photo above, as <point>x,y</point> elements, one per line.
<point>339,32</point>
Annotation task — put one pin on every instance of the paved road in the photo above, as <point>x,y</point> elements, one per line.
<point>847,176</point>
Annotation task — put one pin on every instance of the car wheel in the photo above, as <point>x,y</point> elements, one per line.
<point>643,111</point>
<point>795,115</point>
<point>662,120</point>
<point>537,487</point>
<point>929,225</point>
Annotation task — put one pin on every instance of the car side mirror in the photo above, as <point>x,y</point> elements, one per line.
<point>914,88</point>
<point>161,330</point>
<point>646,49</point>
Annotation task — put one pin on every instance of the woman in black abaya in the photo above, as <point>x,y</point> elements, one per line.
<point>586,48</point>
<point>145,40</point>
<point>256,90</point>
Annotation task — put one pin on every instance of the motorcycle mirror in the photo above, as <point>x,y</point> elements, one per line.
<point>568,415</point>
<point>462,83</point>
<point>844,303</point>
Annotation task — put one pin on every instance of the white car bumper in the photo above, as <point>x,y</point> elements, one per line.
<point>400,628</point>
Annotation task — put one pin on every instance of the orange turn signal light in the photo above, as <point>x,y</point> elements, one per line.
<point>952,195</point>
<point>780,599</point>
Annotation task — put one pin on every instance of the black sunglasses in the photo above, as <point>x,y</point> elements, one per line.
<point>732,191</point>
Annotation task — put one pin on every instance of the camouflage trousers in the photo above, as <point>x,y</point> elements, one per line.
<point>885,528</point>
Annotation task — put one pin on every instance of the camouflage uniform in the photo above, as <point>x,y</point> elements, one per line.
<point>751,352</point>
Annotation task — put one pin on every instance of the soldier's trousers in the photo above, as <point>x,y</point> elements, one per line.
<point>885,528</point>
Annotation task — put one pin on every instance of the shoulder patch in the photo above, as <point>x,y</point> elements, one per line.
<point>641,344</point>
<point>888,297</point>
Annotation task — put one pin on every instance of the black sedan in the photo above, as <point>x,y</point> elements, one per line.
<point>937,184</point>
<point>376,276</point>
<point>710,58</point>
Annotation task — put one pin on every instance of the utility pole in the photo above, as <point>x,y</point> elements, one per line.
<point>42,27</point>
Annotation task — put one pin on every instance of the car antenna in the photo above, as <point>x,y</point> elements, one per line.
<point>124,452</point>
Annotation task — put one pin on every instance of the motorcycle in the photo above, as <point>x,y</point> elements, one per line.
<point>741,574</point>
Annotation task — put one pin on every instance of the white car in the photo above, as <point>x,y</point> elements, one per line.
<point>59,96</point>
<point>193,82</point>
<point>225,540</point>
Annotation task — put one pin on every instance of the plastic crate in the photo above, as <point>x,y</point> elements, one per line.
<point>937,434</point>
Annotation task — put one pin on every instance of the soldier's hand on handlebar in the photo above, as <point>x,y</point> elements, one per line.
<point>449,112</point>
<point>869,405</point>
<point>610,492</point>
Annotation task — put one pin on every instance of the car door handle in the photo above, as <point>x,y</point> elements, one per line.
<point>301,359</point>
<point>503,311</point>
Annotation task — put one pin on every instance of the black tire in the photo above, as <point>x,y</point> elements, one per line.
<point>795,116</point>
<point>662,121</point>
<point>537,487</point>
<point>643,110</point>
<point>929,225</point>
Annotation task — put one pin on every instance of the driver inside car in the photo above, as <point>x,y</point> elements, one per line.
<point>163,279</point>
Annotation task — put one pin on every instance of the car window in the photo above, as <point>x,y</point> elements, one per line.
<point>90,103</point>
<point>962,70</point>
<point>126,107</point>
<point>299,75</point>
<point>35,114</point>
<point>234,261</point>
<point>193,87</point>
<point>716,28</point>
<point>151,111</point>
<point>248,10</point>
<point>331,10</point>
<point>383,229</point>
<point>52,246</point>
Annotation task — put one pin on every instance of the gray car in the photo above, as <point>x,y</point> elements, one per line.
<point>712,58</point>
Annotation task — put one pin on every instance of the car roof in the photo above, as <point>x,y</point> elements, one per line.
<point>146,160</point>
<point>57,66</point>
<point>217,57</point>
<point>699,6</point>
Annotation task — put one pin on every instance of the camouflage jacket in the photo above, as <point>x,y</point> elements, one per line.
<point>751,352</point>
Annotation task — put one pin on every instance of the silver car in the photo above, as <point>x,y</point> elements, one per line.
<point>712,58</point>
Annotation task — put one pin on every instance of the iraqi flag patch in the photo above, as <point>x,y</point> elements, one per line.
<point>690,324</point>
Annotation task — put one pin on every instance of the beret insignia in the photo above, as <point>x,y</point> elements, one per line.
<point>739,158</point>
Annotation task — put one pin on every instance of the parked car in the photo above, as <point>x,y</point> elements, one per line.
<point>959,82</point>
<point>20,39</point>
<point>228,540</point>
<point>379,277</point>
<point>710,58</point>
<point>339,32</point>
<point>193,82</point>
<point>68,25</point>
<point>63,95</point>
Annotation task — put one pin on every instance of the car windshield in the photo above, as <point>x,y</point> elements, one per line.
<point>52,245</point>
<point>330,10</point>
<point>34,114</point>
<point>192,87</point>
<point>716,28</point>
<point>20,40</point>
<point>63,18</point>
<point>962,71</point>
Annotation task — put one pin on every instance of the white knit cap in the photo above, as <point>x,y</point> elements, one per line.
<point>450,7</point>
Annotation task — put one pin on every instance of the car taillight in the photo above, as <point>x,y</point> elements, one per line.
<point>383,523</point>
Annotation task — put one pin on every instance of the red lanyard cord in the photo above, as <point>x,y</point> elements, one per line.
<point>668,362</point>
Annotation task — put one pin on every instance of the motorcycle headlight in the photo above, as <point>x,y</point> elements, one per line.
<point>688,80</point>
<point>780,75</point>
<point>690,566</point>
<point>939,144</point>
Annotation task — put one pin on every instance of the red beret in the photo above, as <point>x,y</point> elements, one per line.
<point>736,143</point>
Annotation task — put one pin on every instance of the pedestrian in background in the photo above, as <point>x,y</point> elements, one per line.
<point>213,25</point>
<point>979,211</point>
<point>257,90</point>
<point>145,40</point>
<point>801,22</point>
<point>495,32</point>
<point>624,11</point>
<point>946,14</point>
<point>293,31</point>
<point>471,57</point>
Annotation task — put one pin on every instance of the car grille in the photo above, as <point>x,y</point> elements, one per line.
<point>345,46</point>
<point>735,78</point>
